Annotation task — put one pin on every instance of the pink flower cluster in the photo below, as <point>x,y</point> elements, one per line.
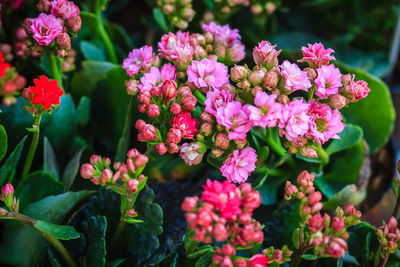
<point>389,236</point>
<point>326,236</point>
<point>58,21</point>
<point>224,213</point>
<point>140,59</point>
<point>239,165</point>
<point>100,173</point>
<point>10,82</point>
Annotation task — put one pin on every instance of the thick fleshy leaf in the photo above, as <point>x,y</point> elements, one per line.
<point>3,142</point>
<point>269,189</point>
<point>350,136</point>
<point>362,242</point>
<point>91,52</point>
<point>375,113</point>
<point>36,186</point>
<point>160,19</point>
<point>94,230</point>
<point>349,194</point>
<point>7,171</point>
<point>63,232</point>
<point>20,242</point>
<point>71,170</point>
<point>83,111</point>
<point>205,260</point>
<point>49,159</point>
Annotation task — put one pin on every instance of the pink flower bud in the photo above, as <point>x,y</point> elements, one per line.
<point>131,166</point>
<point>245,218</point>
<point>75,23</point>
<point>239,73</point>
<point>392,224</point>
<point>95,159</point>
<point>131,212</point>
<point>189,102</point>
<point>220,233</point>
<point>64,41</point>
<point>337,101</point>
<point>175,109</point>
<point>27,94</point>
<point>132,185</point>
<point>309,152</point>
<point>184,91</point>
<point>256,77</point>
<point>173,148</point>
<point>131,87</point>
<point>252,200</point>
<point>266,55</point>
<point>316,223</point>
<point>141,160</point>
<point>9,87</point>
<point>206,117</point>
<point>227,249</point>
<point>337,224</point>
<point>245,188</point>
<point>132,153</point>
<point>271,79</point>
<point>174,136</point>
<point>317,207</point>
<point>270,7</point>
<point>87,171</point>
<point>349,209</point>
<point>153,110</point>
<point>20,82</point>
<point>43,6</point>
<point>161,149</point>
<point>314,198</point>
<point>7,191</point>
<point>21,34</point>
<point>148,133</point>
<point>240,263</point>
<point>140,124</point>
<point>337,248</point>
<point>189,203</point>
<point>142,108</point>
<point>258,260</point>
<point>106,175</point>
<point>116,176</point>
<point>222,141</point>
<point>168,90</point>
<point>144,97</point>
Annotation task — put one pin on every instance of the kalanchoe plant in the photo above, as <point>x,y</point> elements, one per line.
<point>10,81</point>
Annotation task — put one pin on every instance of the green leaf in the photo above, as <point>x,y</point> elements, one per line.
<point>132,220</point>
<point>20,242</point>
<point>7,171</point>
<point>205,260</point>
<point>296,238</point>
<point>309,257</point>
<point>91,52</point>
<point>83,111</point>
<point>350,136</point>
<point>3,142</point>
<point>375,114</point>
<point>94,230</point>
<point>160,19</point>
<point>115,263</point>
<point>263,153</point>
<point>84,82</point>
<point>362,241</point>
<point>71,170</point>
<point>268,190</point>
<point>53,261</point>
<point>63,232</point>
<point>36,186</point>
<point>349,194</point>
<point>49,160</point>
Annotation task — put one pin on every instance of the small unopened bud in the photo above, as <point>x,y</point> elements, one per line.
<point>239,73</point>
<point>174,136</point>
<point>256,77</point>
<point>256,9</point>
<point>20,82</point>
<point>271,79</point>
<point>168,90</point>
<point>75,23</point>
<point>220,233</point>
<point>7,194</point>
<point>131,212</point>
<point>161,149</point>
<point>131,87</point>
<point>43,6</point>
<point>175,109</point>
<point>189,203</point>
<point>206,117</point>
<point>95,159</point>
<point>270,7</point>
<point>337,224</point>
<point>148,133</point>
<point>87,171</point>
<point>140,124</point>
<point>64,41</point>
<point>132,185</point>
<point>337,101</point>
<point>106,175</point>
<point>311,73</point>
<point>153,110</point>
<point>222,141</point>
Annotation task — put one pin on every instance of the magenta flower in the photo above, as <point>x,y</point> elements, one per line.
<point>222,33</point>
<point>328,81</point>
<point>171,42</point>
<point>239,165</point>
<point>295,120</point>
<point>208,73</point>
<point>265,54</point>
<point>295,78</point>
<point>316,55</point>
<point>216,99</point>
<point>138,59</point>
<point>155,78</point>
<point>267,111</point>
<point>235,119</point>
<point>45,28</point>
<point>64,9</point>
<point>325,122</point>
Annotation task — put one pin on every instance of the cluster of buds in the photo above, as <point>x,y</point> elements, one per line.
<point>68,63</point>
<point>267,7</point>
<point>128,173</point>
<point>225,256</point>
<point>278,256</point>
<point>326,236</point>
<point>389,236</point>
<point>7,197</point>
<point>179,13</point>
<point>224,213</point>
<point>56,25</point>
<point>11,83</point>
<point>23,44</point>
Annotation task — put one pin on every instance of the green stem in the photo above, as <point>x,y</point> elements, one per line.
<point>322,155</point>
<point>383,261</point>
<point>397,207</point>
<point>32,148</point>
<point>124,140</point>
<point>118,232</point>
<point>103,33</point>
<point>55,69</point>
<point>278,148</point>
<point>61,249</point>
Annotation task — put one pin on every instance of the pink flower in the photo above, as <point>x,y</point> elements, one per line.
<point>267,112</point>
<point>295,78</point>
<point>266,54</point>
<point>64,9</point>
<point>208,73</point>
<point>216,99</point>
<point>234,118</point>
<point>184,54</point>
<point>172,43</point>
<point>222,33</point>
<point>337,248</point>
<point>138,59</point>
<point>328,81</point>
<point>258,260</point>
<point>316,55</point>
<point>325,122</point>
<point>224,196</point>
<point>239,165</point>
<point>354,90</point>
<point>316,223</point>
<point>236,53</point>
<point>193,153</point>
<point>45,28</point>
<point>186,124</point>
<point>155,78</point>
<point>295,119</point>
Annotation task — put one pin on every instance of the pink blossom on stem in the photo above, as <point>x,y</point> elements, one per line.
<point>155,78</point>
<point>186,124</point>
<point>316,55</point>
<point>45,28</point>
<point>266,111</point>
<point>295,78</point>
<point>138,59</point>
<point>222,33</point>
<point>234,118</point>
<point>208,73</point>
<point>64,9</point>
<point>295,119</point>
<point>216,99</point>
<point>328,81</point>
<point>239,165</point>
<point>193,153</point>
<point>172,45</point>
<point>337,248</point>
<point>265,54</point>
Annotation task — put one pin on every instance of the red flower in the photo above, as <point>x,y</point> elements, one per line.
<point>3,66</point>
<point>258,260</point>
<point>186,124</point>
<point>46,92</point>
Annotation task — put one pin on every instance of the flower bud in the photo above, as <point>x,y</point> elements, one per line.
<point>141,160</point>
<point>206,129</point>
<point>87,171</point>
<point>131,87</point>
<point>220,233</point>
<point>337,224</point>
<point>270,7</point>
<point>131,165</point>
<point>174,136</point>
<point>168,90</point>
<point>140,124</point>
<point>7,192</point>
<point>222,141</point>
<point>349,209</point>
<point>256,77</point>
<point>132,185</point>
<point>189,203</point>
<point>392,224</point>
<point>75,23</point>
<point>148,133</point>
<point>106,175</point>
<point>252,200</point>
<point>316,223</point>
<point>43,6</point>
<point>153,110</point>
<point>311,73</point>
<point>144,97</point>
<point>175,109</point>
<point>64,41</point>
<point>314,198</point>
<point>239,73</point>
<point>161,149</point>
<point>21,34</point>
<point>189,102</point>
<point>131,212</point>
<point>240,263</point>
<point>20,82</point>
<point>337,101</point>
<point>95,159</point>
<point>271,79</point>
<point>227,249</point>
<point>206,117</point>
<point>173,148</point>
